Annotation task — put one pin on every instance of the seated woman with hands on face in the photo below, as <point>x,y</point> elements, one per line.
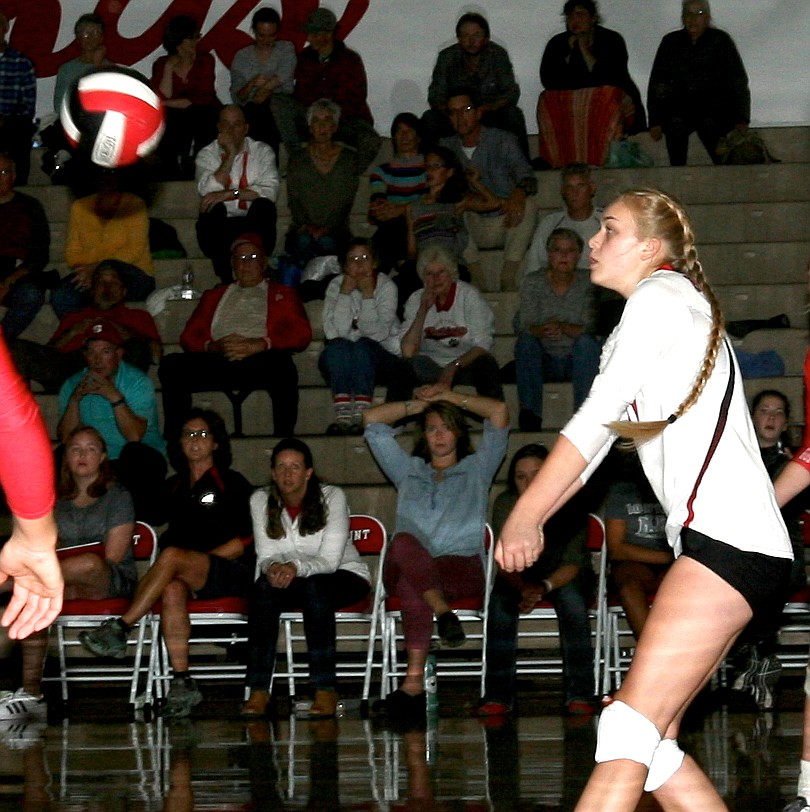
<point>361,328</point>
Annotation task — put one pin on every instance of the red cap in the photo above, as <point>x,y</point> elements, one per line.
<point>103,331</point>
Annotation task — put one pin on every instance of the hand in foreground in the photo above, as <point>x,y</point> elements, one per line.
<point>37,596</point>
<point>431,392</point>
<point>519,546</point>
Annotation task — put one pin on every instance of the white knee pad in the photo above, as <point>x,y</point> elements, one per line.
<point>807,680</point>
<point>666,761</point>
<point>625,733</point>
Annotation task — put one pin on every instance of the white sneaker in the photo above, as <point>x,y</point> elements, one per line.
<point>21,705</point>
<point>21,733</point>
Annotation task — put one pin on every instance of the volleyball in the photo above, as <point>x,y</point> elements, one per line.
<point>113,116</point>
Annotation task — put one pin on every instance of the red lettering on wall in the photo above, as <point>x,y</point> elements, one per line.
<point>36,27</point>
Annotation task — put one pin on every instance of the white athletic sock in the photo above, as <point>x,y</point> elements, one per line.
<point>804,779</point>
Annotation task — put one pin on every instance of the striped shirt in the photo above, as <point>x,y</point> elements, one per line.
<point>401,181</point>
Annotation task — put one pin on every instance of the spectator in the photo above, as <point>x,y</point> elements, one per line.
<point>322,179</point>
<point>698,84</point>
<point>262,82</point>
<point>436,554</point>
<point>305,563</point>
<point>184,80</point>
<point>57,160</point>
<point>18,98</point>
<point>95,520</point>
<point>392,187</point>
<point>447,333</point>
<point>118,401</point>
<point>240,338</point>
<point>563,576</point>
<point>753,656</point>
<point>206,552</point>
<point>555,326</point>
<point>24,252</point>
<point>506,172</point>
<point>588,55</point>
<point>361,329</point>
<point>438,216</point>
<point>110,225</point>
<point>328,69</point>
<point>89,34</point>
<point>635,528</point>
<point>577,189</point>
<point>63,355</point>
<point>478,63</point>
<point>237,181</point>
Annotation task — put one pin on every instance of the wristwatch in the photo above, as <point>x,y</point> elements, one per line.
<point>235,193</point>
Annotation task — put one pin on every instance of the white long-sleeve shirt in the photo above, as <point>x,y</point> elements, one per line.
<point>351,316</point>
<point>261,174</point>
<point>706,471</point>
<point>326,551</point>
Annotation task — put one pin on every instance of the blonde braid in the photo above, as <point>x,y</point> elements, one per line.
<point>690,266</point>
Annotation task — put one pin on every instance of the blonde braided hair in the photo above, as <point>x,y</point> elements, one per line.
<point>659,215</point>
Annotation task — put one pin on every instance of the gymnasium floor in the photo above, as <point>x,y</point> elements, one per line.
<point>97,759</point>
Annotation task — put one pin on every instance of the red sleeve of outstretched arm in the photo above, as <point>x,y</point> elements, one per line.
<point>26,458</point>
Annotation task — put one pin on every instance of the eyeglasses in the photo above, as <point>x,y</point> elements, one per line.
<point>192,434</point>
<point>454,111</point>
<point>698,13</point>
<point>358,258</point>
<point>248,257</point>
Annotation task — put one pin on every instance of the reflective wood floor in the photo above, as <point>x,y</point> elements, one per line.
<point>97,759</point>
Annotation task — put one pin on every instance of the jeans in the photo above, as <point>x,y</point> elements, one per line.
<point>24,301</point>
<point>534,366</point>
<point>183,373</point>
<point>571,605</point>
<point>353,367</point>
<point>483,373</point>
<point>318,597</point>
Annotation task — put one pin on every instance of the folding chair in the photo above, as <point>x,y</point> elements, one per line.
<point>87,614</point>
<point>214,622</point>
<point>469,609</point>
<point>795,626</point>
<point>361,619</point>
<point>544,615</point>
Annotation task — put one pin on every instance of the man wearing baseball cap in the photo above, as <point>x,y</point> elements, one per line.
<point>327,69</point>
<point>118,400</point>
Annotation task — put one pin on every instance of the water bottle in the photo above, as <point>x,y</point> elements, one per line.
<point>187,284</point>
<point>431,707</point>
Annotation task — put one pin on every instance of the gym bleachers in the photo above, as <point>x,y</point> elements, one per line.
<point>751,224</point>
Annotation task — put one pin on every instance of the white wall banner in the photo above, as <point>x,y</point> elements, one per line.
<point>399,40</point>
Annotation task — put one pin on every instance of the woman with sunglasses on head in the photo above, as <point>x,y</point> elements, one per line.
<point>206,552</point>
<point>669,382</point>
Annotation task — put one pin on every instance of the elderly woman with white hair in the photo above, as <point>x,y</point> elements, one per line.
<point>698,84</point>
<point>447,332</point>
<point>322,179</point>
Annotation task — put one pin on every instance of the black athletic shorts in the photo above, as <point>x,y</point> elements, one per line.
<point>226,579</point>
<point>762,580</point>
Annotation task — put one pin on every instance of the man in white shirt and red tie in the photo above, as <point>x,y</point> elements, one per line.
<point>237,180</point>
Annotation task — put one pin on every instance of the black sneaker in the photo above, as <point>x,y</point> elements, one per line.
<point>450,630</point>
<point>184,696</point>
<point>108,640</point>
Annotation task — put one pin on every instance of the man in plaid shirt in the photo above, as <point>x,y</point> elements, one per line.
<point>18,96</point>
